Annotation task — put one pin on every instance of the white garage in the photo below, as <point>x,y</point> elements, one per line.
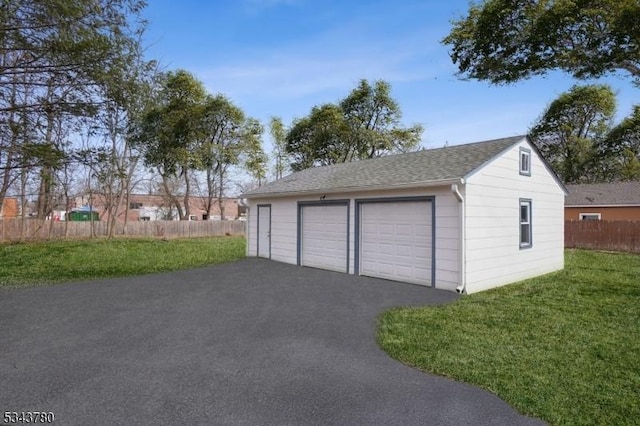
<point>462,218</point>
<point>396,239</point>
<point>324,233</point>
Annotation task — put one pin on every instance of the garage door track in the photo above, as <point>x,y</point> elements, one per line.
<point>250,342</point>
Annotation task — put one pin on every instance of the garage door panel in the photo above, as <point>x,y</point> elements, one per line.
<point>422,231</point>
<point>324,237</point>
<point>405,230</point>
<point>405,250</point>
<point>365,265</point>
<point>423,270</point>
<point>395,240</point>
<point>385,268</point>
<point>404,271</point>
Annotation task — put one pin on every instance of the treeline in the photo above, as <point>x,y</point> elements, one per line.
<point>83,112</point>
<point>73,79</point>
<point>506,41</point>
<point>578,136</point>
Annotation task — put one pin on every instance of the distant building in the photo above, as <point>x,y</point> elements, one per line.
<point>9,208</point>
<point>143,207</point>
<point>603,201</point>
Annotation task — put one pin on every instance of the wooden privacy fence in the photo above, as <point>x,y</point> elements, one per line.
<point>37,230</point>
<point>616,235</point>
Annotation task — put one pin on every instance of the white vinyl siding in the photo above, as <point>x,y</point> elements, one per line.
<point>493,195</point>
<point>284,218</point>
<point>284,211</point>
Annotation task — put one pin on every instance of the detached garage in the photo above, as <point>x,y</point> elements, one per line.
<point>463,218</point>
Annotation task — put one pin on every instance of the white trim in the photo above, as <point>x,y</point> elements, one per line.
<point>345,189</point>
<point>528,203</point>
<point>461,223</point>
<point>589,214</point>
<point>525,153</point>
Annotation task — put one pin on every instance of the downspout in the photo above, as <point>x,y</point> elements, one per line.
<point>243,203</point>
<point>463,254</point>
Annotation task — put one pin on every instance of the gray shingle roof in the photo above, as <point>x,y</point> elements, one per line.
<point>604,194</point>
<point>428,166</point>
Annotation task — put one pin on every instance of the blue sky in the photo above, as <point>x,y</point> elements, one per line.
<point>282,57</point>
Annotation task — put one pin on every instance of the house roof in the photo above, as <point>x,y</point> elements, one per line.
<point>604,194</point>
<point>416,168</point>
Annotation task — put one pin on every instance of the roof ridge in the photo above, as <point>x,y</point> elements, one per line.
<point>400,154</point>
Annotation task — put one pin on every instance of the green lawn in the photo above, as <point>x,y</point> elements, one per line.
<point>564,347</point>
<point>62,261</point>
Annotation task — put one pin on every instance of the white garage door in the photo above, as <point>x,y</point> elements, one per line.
<point>395,241</point>
<point>324,237</point>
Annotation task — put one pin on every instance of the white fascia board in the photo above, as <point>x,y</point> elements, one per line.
<point>342,190</point>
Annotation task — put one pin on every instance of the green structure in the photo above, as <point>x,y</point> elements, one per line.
<point>83,216</point>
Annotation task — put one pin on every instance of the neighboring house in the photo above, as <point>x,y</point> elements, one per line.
<point>9,208</point>
<point>603,201</point>
<point>156,207</point>
<point>465,218</point>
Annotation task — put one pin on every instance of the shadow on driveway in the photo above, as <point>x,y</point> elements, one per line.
<point>250,342</point>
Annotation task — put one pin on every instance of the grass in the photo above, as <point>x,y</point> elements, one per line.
<point>62,261</point>
<point>564,347</point>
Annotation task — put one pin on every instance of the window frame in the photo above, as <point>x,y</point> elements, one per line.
<point>581,216</point>
<point>529,204</point>
<point>524,152</point>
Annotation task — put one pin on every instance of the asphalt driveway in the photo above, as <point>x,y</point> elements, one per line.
<point>250,342</point>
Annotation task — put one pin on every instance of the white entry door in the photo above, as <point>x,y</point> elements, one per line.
<point>323,236</point>
<point>396,241</point>
<point>264,231</point>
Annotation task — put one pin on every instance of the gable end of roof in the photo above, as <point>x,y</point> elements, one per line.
<point>420,168</point>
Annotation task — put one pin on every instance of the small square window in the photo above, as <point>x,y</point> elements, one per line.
<point>525,162</point>
<point>526,231</point>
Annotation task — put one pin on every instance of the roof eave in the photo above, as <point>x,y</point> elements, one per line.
<point>365,188</point>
